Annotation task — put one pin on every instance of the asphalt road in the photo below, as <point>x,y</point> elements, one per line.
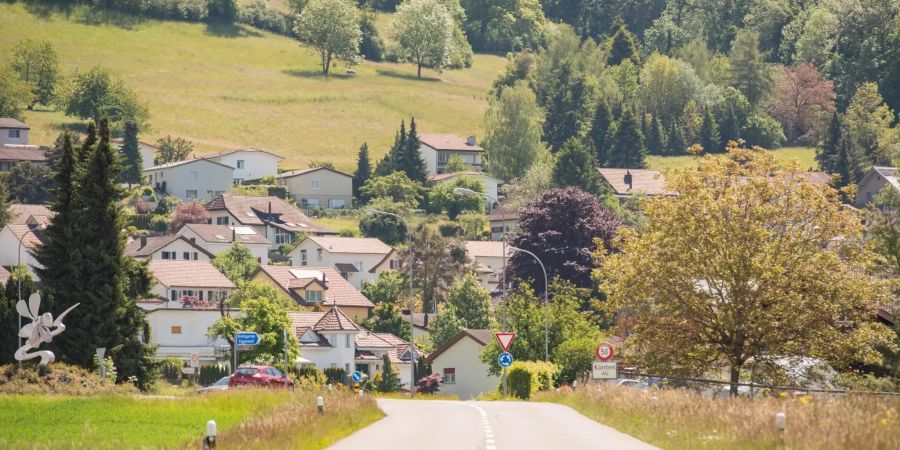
<point>439,425</point>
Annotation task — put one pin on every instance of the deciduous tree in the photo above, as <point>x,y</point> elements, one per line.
<point>37,64</point>
<point>397,187</point>
<point>512,126</point>
<point>424,31</point>
<point>437,262</point>
<point>188,212</point>
<point>236,263</point>
<point>332,28</point>
<point>442,198</point>
<point>97,93</point>
<point>802,101</point>
<point>172,149</point>
<point>15,94</point>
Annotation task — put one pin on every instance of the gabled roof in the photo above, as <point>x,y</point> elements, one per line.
<point>199,274</point>
<point>185,162</point>
<point>338,291</point>
<point>482,337</point>
<point>294,173</point>
<point>237,150</point>
<point>367,339</point>
<point>383,260</point>
<point>224,234</point>
<point>31,153</point>
<point>419,319</point>
<point>486,249</point>
<point>332,320</point>
<point>450,142</point>
<point>889,174</point>
<point>356,245</point>
<point>155,243</point>
<point>4,275</point>
<point>30,236</point>
<point>247,211</point>
<point>468,173</point>
<point>648,182</point>
<point>9,122</point>
<point>21,212</point>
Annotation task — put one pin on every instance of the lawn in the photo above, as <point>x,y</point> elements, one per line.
<point>224,87</point>
<point>805,156</point>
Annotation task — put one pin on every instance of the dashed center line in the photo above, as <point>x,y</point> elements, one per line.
<point>489,443</point>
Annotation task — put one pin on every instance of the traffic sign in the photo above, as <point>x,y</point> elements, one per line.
<point>505,359</point>
<point>604,370</point>
<point>246,338</point>
<point>604,351</point>
<point>505,340</point>
<point>357,376</point>
<point>195,360</point>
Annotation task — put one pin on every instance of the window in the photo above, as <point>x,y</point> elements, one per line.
<point>166,255</point>
<point>176,330</point>
<point>443,157</point>
<point>336,203</point>
<point>302,257</point>
<point>449,375</point>
<point>240,164</point>
<point>187,256</point>
<point>282,237</point>
<point>222,220</point>
<point>347,340</point>
<point>358,265</point>
<point>196,256</point>
<point>313,296</point>
<point>312,202</point>
<point>194,175</point>
<point>315,184</point>
<point>173,295</point>
<point>394,264</point>
<point>14,134</point>
<point>319,254</point>
<point>190,193</point>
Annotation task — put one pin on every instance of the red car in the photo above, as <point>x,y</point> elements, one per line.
<point>262,376</point>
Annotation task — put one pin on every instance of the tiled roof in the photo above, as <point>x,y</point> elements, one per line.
<point>336,244</point>
<point>21,212</point>
<point>400,346</point>
<point>419,319</point>
<point>244,149</point>
<point>199,274</point>
<point>489,249</point>
<point>294,173</point>
<point>338,291</point>
<point>4,275</point>
<point>502,214</point>
<point>153,243</point>
<point>335,320</point>
<point>470,173</point>
<point>187,161</point>
<point>223,234</point>
<point>247,211</point>
<point>8,122</point>
<point>482,337</point>
<point>813,177</point>
<point>31,153</point>
<point>303,320</point>
<point>448,142</point>
<point>367,339</point>
<point>649,182</point>
<point>29,240</point>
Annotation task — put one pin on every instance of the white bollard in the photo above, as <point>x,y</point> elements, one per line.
<point>330,387</point>
<point>210,441</point>
<point>653,401</point>
<point>781,421</point>
<point>320,404</point>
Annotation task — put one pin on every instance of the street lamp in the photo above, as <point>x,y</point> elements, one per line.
<point>19,276</point>
<point>412,328</point>
<point>546,303</point>
<point>464,191</point>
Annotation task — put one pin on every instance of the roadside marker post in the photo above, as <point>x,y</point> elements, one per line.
<point>320,404</point>
<point>209,442</point>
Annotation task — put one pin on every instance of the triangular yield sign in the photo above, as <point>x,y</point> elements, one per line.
<point>505,340</point>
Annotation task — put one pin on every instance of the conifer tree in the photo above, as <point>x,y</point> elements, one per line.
<point>749,72</point>
<point>599,131</point>
<point>84,153</point>
<point>8,328</point>
<point>656,142</point>
<point>390,380</point>
<point>842,165</point>
<point>363,172</point>
<point>389,163</point>
<point>827,155</point>
<point>410,158</point>
<point>675,140</point>
<point>5,214</point>
<point>729,129</point>
<point>133,170</point>
<point>628,150</point>
<point>577,167</point>
<point>709,134</point>
<point>624,45</point>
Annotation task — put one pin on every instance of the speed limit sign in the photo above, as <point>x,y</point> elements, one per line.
<point>604,351</point>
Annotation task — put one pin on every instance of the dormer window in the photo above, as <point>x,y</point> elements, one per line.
<point>313,296</point>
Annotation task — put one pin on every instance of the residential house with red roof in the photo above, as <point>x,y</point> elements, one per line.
<point>168,247</point>
<point>271,217</point>
<point>216,239</point>
<point>317,287</point>
<point>357,259</point>
<point>437,149</point>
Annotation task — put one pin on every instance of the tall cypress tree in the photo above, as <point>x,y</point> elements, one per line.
<point>827,156</point>
<point>624,45</point>
<point>842,164</point>
<point>576,166</point>
<point>133,170</point>
<point>709,134</point>
<point>656,142</point>
<point>628,150</point>
<point>363,172</point>
<point>389,163</point>
<point>599,130</point>
<point>411,160</point>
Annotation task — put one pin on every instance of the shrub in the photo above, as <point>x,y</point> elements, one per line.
<point>335,375</point>
<point>520,382</point>
<point>430,384</point>
<point>108,366</point>
<point>530,377</point>
<point>451,230</point>
<point>258,14</point>
<point>764,131</point>
<point>170,368</point>
<point>211,374</point>
<point>57,379</point>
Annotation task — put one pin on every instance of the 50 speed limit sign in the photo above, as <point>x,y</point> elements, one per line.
<point>604,351</point>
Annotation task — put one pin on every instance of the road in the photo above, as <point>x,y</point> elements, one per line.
<point>457,425</point>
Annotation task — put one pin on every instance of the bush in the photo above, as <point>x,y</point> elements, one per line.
<point>258,14</point>
<point>310,374</point>
<point>170,369</point>
<point>57,379</point>
<point>530,377</point>
<point>451,230</point>
<point>764,131</point>
<point>211,374</point>
<point>335,375</point>
<point>430,384</point>
<point>519,380</point>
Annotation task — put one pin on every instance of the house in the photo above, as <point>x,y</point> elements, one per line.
<point>249,163</point>
<point>10,155</point>
<point>22,212</point>
<point>316,287</point>
<point>873,182</point>
<point>193,179</point>
<point>216,239</point>
<point>147,151</point>
<point>319,187</point>
<point>169,247</point>
<point>185,284</point>
<point>270,217</point>
<point>625,183</point>
<point>331,339</point>
<point>177,332</point>
<point>29,235</point>
<point>491,184</point>
<point>459,363</point>
<point>4,275</point>
<point>488,258</point>
<point>13,132</point>
<point>354,257</point>
<point>421,323</point>
<point>437,149</point>
<point>502,222</point>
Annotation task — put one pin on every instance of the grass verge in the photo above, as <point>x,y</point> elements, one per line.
<point>681,420</point>
<point>419,396</point>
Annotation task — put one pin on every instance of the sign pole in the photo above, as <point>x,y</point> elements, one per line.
<point>234,350</point>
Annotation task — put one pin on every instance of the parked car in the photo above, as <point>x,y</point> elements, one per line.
<point>220,385</point>
<point>628,382</point>
<point>263,376</point>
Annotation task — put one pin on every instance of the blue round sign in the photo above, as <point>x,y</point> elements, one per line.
<point>357,376</point>
<point>505,359</point>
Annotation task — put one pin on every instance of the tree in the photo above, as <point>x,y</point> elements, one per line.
<point>656,138</point>
<point>455,163</point>
<point>801,102</point>
<point>409,158</point>
<point>576,166</point>
<point>749,71</point>
<point>424,31</point>
<point>827,154</point>
<point>575,357</point>
<point>512,126</point>
<point>171,149</point>
<point>503,25</point>
<point>627,150</point>
<point>624,45</point>
<point>390,379</point>
<point>570,107</point>
<point>236,263</point>
<point>9,329</point>
<point>437,263</point>
<point>387,288</point>
<point>37,65</point>
<point>5,213</point>
<point>667,86</point>
<point>96,94</point>
<point>15,94</point>
<point>188,212</point>
<point>445,325</point>
<point>332,28</point>
<point>539,177</point>
<point>386,318</point>
<point>371,46</point>
<point>442,198</point>
<point>388,164</point>
<point>561,227</point>
<point>872,138</point>
<point>709,133</point>
<point>133,170</point>
<point>472,303</point>
<point>17,273</point>
<point>28,183</point>
<point>397,187</point>
<point>389,229</point>
<point>599,132</point>
<point>362,174</point>
<point>788,280</point>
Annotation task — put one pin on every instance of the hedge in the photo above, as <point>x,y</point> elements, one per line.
<point>525,378</point>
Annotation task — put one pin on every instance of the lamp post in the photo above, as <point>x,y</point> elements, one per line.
<point>546,303</point>
<point>19,276</point>
<point>464,191</point>
<point>412,328</point>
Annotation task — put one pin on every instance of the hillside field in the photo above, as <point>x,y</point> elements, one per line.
<point>804,156</point>
<point>224,87</point>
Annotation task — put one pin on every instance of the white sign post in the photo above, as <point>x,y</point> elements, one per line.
<point>604,370</point>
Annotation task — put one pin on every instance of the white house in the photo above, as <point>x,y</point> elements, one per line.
<point>270,217</point>
<point>147,151</point>
<point>502,222</point>
<point>421,323</point>
<point>178,332</point>
<point>30,236</point>
<point>488,257</point>
<point>193,179</point>
<point>314,287</point>
<point>436,150</point>
<point>249,163</point>
<point>216,239</point>
<point>171,247</point>
<point>319,187</point>
<point>189,283</point>
<point>459,363</point>
<point>13,132</point>
<point>873,182</point>
<point>491,184</point>
<point>354,257</point>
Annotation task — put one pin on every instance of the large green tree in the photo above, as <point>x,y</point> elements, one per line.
<point>750,73</point>
<point>468,305</point>
<point>172,149</point>
<point>599,133</point>
<point>236,263</point>
<point>133,164</point>
<point>332,28</point>
<point>409,158</point>
<point>28,183</point>
<point>437,262</point>
<point>443,198</point>
<point>570,107</point>
<point>37,64</point>
<point>15,94</point>
<point>363,172</point>
<point>424,31</point>
<point>504,25</point>
<point>627,149</point>
<point>97,94</point>
<point>512,138</point>
<point>576,166</point>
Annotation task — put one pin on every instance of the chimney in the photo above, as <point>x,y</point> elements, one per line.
<point>270,210</point>
<point>193,241</point>
<point>470,140</point>
<point>143,240</point>
<point>628,179</point>
<point>233,235</point>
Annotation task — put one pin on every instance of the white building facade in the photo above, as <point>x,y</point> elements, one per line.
<point>194,180</point>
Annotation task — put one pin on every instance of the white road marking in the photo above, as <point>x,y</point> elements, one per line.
<point>488,431</point>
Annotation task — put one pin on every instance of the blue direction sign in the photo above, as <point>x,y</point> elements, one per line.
<point>505,359</point>
<point>357,376</point>
<point>246,338</point>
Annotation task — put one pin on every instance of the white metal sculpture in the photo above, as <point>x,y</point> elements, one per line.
<point>41,330</point>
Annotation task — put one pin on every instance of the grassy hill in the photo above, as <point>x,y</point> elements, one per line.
<point>804,156</point>
<point>224,87</point>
